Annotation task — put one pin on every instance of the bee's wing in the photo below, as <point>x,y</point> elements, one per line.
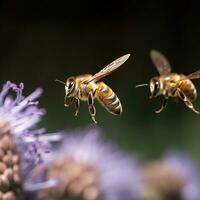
<point>109,68</point>
<point>161,62</point>
<point>195,75</point>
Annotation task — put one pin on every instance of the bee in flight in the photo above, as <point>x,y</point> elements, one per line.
<point>87,88</point>
<point>168,84</point>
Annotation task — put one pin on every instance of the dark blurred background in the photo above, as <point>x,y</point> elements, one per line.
<point>43,40</point>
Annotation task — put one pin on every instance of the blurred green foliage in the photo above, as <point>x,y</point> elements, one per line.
<point>45,40</point>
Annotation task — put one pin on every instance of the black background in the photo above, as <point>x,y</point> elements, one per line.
<point>44,40</point>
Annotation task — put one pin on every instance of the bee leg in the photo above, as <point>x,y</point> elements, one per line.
<point>164,104</point>
<point>77,106</point>
<point>92,109</point>
<point>187,102</point>
<point>68,101</point>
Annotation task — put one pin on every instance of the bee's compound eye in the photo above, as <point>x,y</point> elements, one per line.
<point>71,84</point>
<point>156,87</point>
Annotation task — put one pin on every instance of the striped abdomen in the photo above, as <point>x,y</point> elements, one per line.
<point>188,88</point>
<point>108,99</point>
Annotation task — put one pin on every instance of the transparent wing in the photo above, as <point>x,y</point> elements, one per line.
<point>109,68</point>
<point>195,75</point>
<point>161,62</point>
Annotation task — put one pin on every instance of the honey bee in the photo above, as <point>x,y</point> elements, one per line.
<point>87,88</point>
<point>168,84</point>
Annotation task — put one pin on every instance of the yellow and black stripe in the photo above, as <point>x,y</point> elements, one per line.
<point>108,99</point>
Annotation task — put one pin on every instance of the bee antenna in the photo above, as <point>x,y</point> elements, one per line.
<point>60,81</point>
<point>142,85</point>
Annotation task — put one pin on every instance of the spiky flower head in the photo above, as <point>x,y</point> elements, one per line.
<point>22,144</point>
<point>173,177</point>
<point>88,168</point>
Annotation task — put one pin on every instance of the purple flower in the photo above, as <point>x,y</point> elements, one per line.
<point>186,168</point>
<point>22,144</point>
<point>175,176</point>
<point>89,168</point>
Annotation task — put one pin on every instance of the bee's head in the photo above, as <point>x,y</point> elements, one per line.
<point>154,87</point>
<point>70,87</point>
